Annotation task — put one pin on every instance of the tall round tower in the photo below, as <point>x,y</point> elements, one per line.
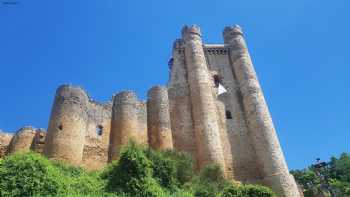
<point>270,157</point>
<point>67,127</point>
<point>125,125</point>
<point>22,140</point>
<point>158,119</point>
<point>206,124</point>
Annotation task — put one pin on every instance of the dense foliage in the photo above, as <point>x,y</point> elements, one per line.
<point>140,172</point>
<point>334,178</point>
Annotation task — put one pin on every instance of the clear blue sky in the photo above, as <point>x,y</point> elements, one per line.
<point>300,49</point>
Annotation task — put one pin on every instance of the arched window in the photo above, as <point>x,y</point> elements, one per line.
<point>60,127</point>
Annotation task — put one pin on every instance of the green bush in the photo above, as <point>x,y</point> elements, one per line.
<point>164,169</point>
<point>257,191</point>
<point>184,165</point>
<point>132,174</point>
<point>28,175</point>
<point>139,172</point>
<point>246,191</point>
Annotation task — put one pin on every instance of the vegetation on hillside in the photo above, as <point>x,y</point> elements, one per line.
<point>334,178</point>
<point>140,172</point>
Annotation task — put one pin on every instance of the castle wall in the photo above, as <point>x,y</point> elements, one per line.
<point>243,153</point>
<point>207,131</point>
<point>142,133</point>
<point>159,127</point>
<point>5,139</point>
<point>67,126</point>
<point>226,146</point>
<point>95,154</point>
<point>270,157</point>
<point>125,122</point>
<point>39,141</point>
<point>180,103</point>
<point>22,140</point>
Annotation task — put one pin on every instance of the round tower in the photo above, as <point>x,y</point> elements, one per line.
<point>158,119</point>
<point>22,140</point>
<point>67,126</point>
<point>206,123</point>
<point>270,157</point>
<point>180,102</point>
<point>125,125</point>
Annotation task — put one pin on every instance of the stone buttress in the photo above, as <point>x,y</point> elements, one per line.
<point>204,110</point>
<point>158,117</point>
<point>270,159</point>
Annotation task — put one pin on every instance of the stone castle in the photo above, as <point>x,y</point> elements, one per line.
<point>232,128</point>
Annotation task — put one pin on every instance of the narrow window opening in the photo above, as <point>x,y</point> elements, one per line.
<point>228,115</point>
<point>217,80</point>
<point>60,127</point>
<point>99,130</point>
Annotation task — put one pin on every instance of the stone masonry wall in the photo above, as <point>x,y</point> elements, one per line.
<point>95,154</point>
<point>180,103</point>
<point>159,126</point>
<point>67,126</point>
<point>244,163</point>
<point>206,126</point>
<point>5,139</point>
<point>22,140</point>
<point>270,157</point>
<point>125,126</point>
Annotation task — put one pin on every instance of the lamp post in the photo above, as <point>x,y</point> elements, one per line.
<point>321,169</point>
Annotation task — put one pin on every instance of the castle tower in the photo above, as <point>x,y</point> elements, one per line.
<point>158,117</point>
<point>270,158</point>
<point>125,126</point>
<point>204,109</point>
<point>67,126</point>
<point>22,140</point>
<point>180,102</point>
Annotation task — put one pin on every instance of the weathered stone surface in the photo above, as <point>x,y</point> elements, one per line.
<point>206,127</point>
<point>5,139</point>
<point>270,158</point>
<point>125,125</point>
<point>22,140</point>
<point>159,126</point>
<point>67,127</point>
<point>39,141</point>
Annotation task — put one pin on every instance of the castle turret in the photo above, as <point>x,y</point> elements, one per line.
<point>263,135</point>
<point>206,126</point>
<point>22,140</point>
<point>159,129</point>
<point>180,102</point>
<point>125,125</point>
<point>67,127</point>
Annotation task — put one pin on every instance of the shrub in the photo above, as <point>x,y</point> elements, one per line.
<point>246,191</point>
<point>132,174</point>
<point>28,175</point>
<point>183,165</point>
<point>164,169</point>
<point>258,191</point>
